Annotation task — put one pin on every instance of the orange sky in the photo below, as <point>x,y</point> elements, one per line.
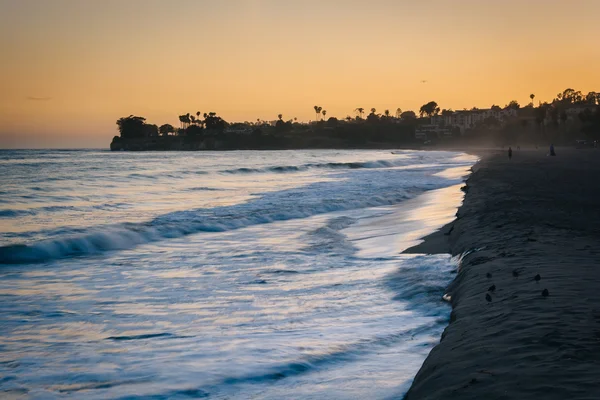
<point>70,68</point>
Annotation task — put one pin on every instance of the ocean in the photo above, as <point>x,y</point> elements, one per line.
<point>220,275</point>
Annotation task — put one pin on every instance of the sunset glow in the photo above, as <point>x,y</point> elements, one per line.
<point>70,68</point>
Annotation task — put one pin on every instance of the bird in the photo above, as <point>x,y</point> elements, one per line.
<point>488,275</point>
<point>424,81</point>
<point>537,278</point>
<point>492,288</point>
<point>545,293</point>
<point>515,273</point>
<point>488,297</point>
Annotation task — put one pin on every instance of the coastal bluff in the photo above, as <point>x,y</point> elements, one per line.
<point>526,300</point>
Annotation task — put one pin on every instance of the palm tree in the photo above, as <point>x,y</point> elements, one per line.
<point>280,116</point>
<point>193,119</point>
<point>317,111</point>
<point>324,112</point>
<point>387,113</point>
<point>398,112</point>
<point>373,110</point>
<point>360,111</point>
<point>532,96</point>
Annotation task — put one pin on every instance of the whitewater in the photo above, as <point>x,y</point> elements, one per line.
<point>245,274</point>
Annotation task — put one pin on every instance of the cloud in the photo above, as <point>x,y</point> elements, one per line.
<point>33,98</point>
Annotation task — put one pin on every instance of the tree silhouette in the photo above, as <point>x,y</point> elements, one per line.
<point>318,111</point>
<point>373,118</point>
<point>387,113</point>
<point>532,96</point>
<point>166,129</point>
<point>592,98</point>
<point>513,105</point>
<point>214,122</point>
<point>182,119</point>
<point>373,110</point>
<point>324,112</point>
<point>132,127</point>
<point>408,115</point>
<point>280,116</point>
<point>430,109</point>
<point>398,112</point>
<point>360,111</point>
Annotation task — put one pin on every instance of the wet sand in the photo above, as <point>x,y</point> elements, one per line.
<point>530,215</point>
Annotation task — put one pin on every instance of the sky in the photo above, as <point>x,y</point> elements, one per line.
<point>70,68</point>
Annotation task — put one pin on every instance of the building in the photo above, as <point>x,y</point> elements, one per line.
<point>574,111</point>
<point>432,131</point>
<point>468,119</point>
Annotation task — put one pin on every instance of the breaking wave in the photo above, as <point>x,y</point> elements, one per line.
<point>178,224</point>
<point>332,165</point>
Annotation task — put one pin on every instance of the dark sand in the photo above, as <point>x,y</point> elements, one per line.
<point>531,215</point>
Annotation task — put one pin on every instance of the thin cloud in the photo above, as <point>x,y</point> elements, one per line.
<point>34,98</point>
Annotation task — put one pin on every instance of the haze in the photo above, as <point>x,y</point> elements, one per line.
<point>70,68</point>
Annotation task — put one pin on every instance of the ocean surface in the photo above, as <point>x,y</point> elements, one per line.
<point>272,274</point>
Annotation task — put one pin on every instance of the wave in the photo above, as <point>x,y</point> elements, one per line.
<point>178,224</point>
<point>12,213</point>
<point>8,213</point>
<point>333,165</point>
<point>205,189</point>
<point>142,336</point>
<point>304,364</point>
<point>328,238</point>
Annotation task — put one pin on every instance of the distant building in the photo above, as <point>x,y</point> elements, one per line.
<point>468,119</point>
<point>239,130</point>
<point>574,111</point>
<point>432,131</point>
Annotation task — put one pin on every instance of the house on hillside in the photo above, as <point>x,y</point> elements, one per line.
<point>432,131</point>
<point>468,119</point>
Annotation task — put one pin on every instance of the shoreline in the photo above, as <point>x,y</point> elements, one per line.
<point>532,215</point>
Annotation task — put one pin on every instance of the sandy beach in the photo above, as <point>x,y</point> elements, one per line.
<point>526,300</point>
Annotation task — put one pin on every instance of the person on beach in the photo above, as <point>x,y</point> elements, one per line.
<point>509,153</point>
<point>552,153</point>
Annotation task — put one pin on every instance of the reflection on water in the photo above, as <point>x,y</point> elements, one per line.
<point>320,305</point>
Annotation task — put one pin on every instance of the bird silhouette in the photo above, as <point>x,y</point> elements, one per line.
<point>488,297</point>
<point>492,288</point>
<point>537,278</point>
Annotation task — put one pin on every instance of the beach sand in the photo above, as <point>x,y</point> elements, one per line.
<point>530,215</point>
